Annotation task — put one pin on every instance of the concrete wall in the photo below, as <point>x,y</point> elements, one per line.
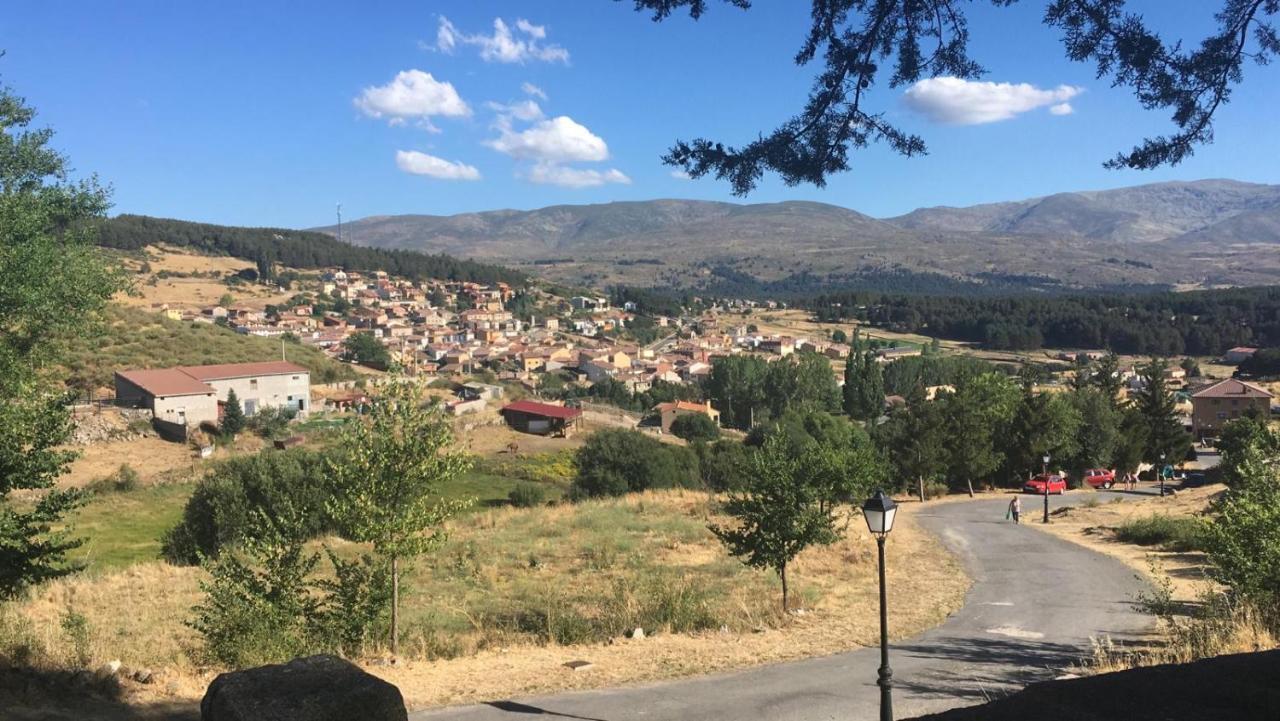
<point>258,392</point>
<point>194,410</point>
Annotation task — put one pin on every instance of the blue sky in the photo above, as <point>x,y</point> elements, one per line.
<point>264,113</point>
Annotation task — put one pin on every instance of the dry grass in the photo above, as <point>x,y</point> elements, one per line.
<point>462,647</point>
<point>193,293</point>
<point>1195,620</point>
<point>1093,526</point>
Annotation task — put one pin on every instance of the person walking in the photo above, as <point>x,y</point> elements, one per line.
<point>1015,509</point>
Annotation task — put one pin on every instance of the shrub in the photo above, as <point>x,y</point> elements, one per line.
<point>272,422</point>
<point>1169,532</point>
<point>616,461</point>
<point>75,627</point>
<point>220,509</point>
<point>724,464</point>
<point>695,427</point>
<point>125,479</point>
<point>354,608</point>
<point>527,495</point>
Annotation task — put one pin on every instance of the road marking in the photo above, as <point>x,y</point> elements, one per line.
<point>1015,632</point>
<point>998,603</point>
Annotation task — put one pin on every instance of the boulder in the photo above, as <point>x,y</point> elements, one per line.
<point>315,688</point>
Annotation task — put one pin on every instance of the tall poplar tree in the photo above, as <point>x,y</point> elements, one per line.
<point>1165,437</point>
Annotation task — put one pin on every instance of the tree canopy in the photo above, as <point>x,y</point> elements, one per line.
<point>862,42</point>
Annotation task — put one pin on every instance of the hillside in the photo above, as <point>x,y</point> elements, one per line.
<point>133,338</point>
<point>267,247</point>
<point>1193,234</point>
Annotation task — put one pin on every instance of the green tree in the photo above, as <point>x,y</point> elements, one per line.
<point>1240,440</point>
<point>365,348</point>
<point>863,42</point>
<point>916,442</point>
<point>695,427</point>
<point>1106,377</point>
<point>1165,437</point>
<point>779,513</point>
<point>616,461</point>
<point>1245,532</point>
<point>977,416</point>
<point>1042,423</point>
<point>233,420</point>
<point>386,473</point>
<point>803,381</point>
<point>735,386</point>
<point>1098,433</point>
<point>839,336</point>
<point>53,285</point>
<point>863,386</point>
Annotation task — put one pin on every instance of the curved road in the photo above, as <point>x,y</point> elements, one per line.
<point>1035,602</point>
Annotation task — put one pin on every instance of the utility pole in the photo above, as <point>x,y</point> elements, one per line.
<point>339,222</point>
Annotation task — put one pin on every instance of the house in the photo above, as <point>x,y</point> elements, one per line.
<point>480,391</point>
<point>544,419</point>
<point>1212,407</point>
<point>668,412</point>
<point>171,395</point>
<point>191,395</point>
<point>1238,355</point>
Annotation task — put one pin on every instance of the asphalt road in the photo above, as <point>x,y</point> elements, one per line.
<point>1034,605</point>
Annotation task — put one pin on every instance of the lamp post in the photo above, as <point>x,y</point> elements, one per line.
<point>1046,488</point>
<point>880,511</point>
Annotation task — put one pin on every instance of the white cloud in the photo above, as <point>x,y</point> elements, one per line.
<point>504,45</point>
<point>1061,109</point>
<point>534,91</point>
<point>557,140</point>
<point>681,175</point>
<point>522,110</point>
<point>412,94</point>
<point>411,161</point>
<point>566,177</point>
<point>957,101</point>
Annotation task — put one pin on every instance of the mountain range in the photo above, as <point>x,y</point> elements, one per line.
<point>1205,233</point>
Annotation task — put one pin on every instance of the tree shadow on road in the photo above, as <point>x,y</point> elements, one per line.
<point>514,707</point>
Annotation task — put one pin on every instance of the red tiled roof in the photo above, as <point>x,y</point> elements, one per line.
<point>534,408</point>
<point>241,370</point>
<point>1232,388</point>
<point>165,382</point>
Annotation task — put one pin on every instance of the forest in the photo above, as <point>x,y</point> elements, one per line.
<point>292,248</point>
<point>1197,323</point>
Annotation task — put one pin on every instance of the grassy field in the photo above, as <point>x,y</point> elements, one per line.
<point>133,338</point>
<point>122,529</point>
<point>514,593</point>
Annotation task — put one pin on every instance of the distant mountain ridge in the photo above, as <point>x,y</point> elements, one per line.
<point>1178,234</point>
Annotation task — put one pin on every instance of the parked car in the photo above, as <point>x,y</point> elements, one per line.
<point>1056,483</point>
<point>1100,478</point>
<point>1194,479</point>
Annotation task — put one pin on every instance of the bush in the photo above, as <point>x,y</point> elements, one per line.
<point>125,479</point>
<point>616,461</point>
<point>695,427</point>
<point>75,627</point>
<point>527,495</point>
<point>272,422</point>
<point>724,464</point>
<point>1169,532</point>
<point>220,509</point>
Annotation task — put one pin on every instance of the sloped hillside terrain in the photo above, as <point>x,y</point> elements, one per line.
<point>1188,234</point>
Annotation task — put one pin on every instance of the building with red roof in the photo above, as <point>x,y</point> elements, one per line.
<point>543,419</point>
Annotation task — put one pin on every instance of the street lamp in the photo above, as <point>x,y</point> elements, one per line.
<point>1046,488</point>
<point>880,511</point>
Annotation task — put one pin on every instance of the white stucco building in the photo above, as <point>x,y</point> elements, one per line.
<point>192,395</point>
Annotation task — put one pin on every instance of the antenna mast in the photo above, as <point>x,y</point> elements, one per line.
<point>339,222</point>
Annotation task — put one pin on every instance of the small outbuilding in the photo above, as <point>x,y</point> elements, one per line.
<point>543,419</point>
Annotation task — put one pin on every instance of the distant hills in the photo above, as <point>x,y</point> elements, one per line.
<point>1203,233</point>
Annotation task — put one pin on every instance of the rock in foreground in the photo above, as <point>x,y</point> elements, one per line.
<point>1241,687</point>
<point>315,688</point>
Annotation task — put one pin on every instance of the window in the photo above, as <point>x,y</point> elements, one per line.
<point>253,383</point>
<point>1222,415</point>
<point>296,377</point>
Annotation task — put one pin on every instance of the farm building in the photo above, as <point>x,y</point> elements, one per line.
<point>544,419</point>
<point>668,412</point>
<point>191,395</point>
